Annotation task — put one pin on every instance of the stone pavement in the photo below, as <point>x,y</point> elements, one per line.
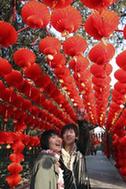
<point>102,173</point>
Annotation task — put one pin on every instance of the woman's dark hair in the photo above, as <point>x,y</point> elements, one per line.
<point>68,127</point>
<point>44,139</point>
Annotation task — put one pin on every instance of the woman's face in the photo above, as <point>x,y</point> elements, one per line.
<point>69,137</point>
<point>55,143</point>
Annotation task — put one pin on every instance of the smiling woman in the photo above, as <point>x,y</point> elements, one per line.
<point>46,172</point>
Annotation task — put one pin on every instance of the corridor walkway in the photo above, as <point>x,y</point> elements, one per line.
<point>102,173</point>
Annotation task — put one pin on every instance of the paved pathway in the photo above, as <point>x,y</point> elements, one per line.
<point>102,173</point>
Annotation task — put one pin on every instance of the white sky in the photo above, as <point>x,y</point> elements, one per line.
<point>115,67</point>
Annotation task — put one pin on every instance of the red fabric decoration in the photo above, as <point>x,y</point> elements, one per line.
<point>9,138</point>
<point>33,72</point>
<point>108,69</point>
<point>2,89</point>
<point>7,94</point>
<point>16,157</point>
<point>101,71</point>
<point>14,168</point>
<point>59,60</point>
<point>5,67</point>
<point>101,53</point>
<point>5,138</point>
<point>116,95</point>
<point>26,104</point>
<point>120,75</point>
<point>123,141</point>
<point>18,147</point>
<point>24,57</point>
<point>97,4</point>
<point>74,45</point>
<point>14,78</point>
<point>114,106</point>
<point>57,3</point>
<point>102,24</point>
<point>124,32</point>
<point>33,141</point>
<point>15,99</point>
<point>79,63</point>
<point>101,82</point>
<point>66,20</point>
<point>120,87</point>
<point>49,45</point>
<point>35,14</point>
<point>98,71</point>
<point>34,94</point>
<point>8,34</point>
<point>13,180</point>
<point>40,82</point>
<point>121,60</point>
<point>26,87</point>
<point>20,127</point>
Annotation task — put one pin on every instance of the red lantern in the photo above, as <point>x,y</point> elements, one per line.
<point>124,32</point>
<point>14,168</point>
<point>33,72</point>
<point>24,57</point>
<point>122,141</point>
<point>120,75</point>
<point>8,34</point>
<point>116,95</point>
<point>26,87</point>
<point>18,147</point>
<point>101,53</point>
<point>34,141</point>
<point>15,99</point>
<point>13,180</point>
<point>5,67</point>
<point>16,157</point>
<point>102,24</point>
<point>74,45</point>
<point>2,89</point>
<point>3,135</point>
<point>35,14</point>
<point>79,63</point>
<point>66,20</point>
<point>14,78</point>
<point>97,4</point>
<point>9,138</point>
<point>101,82</point>
<point>120,60</point>
<point>120,87</point>
<point>40,82</point>
<point>26,104</point>
<point>57,3</point>
<point>20,127</point>
<point>50,45</point>
<point>59,60</point>
<point>100,70</point>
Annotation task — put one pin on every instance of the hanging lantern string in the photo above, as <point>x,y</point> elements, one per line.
<point>14,11</point>
<point>34,41</point>
<point>119,115</point>
<point>22,29</point>
<point>119,30</point>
